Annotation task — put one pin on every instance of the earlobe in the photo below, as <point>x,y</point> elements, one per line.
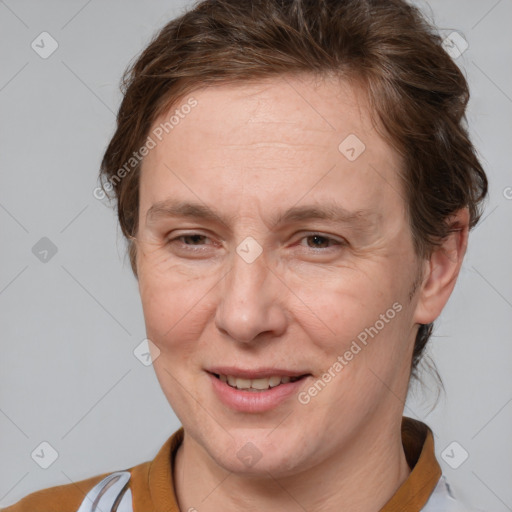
<point>442,270</point>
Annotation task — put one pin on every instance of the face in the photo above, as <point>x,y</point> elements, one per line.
<point>273,251</point>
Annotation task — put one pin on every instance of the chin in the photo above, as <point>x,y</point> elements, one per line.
<point>258,451</point>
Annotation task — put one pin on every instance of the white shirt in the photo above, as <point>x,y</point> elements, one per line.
<point>443,500</point>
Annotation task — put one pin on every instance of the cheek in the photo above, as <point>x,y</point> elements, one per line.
<point>336,308</point>
<point>360,331</point>
<point>175,308</point>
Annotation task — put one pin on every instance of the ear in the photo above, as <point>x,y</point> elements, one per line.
<point>442,270</point>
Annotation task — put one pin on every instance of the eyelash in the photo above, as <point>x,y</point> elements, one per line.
<point>195,248</point>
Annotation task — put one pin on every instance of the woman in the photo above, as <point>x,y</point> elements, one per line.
<point>296,187</point>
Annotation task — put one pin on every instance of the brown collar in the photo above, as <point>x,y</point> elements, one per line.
<point>418,443</point>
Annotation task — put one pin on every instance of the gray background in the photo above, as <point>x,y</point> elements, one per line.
<point>69,325</point>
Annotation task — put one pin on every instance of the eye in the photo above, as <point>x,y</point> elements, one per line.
<point>319,241</point>
<point>193,238</point>
<point>191,244</point>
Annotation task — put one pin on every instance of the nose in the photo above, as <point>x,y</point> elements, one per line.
<point>251,305</point>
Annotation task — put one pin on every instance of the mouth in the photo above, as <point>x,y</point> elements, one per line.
<point>256,385</point>
<point>257,390</point>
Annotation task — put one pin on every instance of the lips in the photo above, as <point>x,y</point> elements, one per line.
<point>257,390</point>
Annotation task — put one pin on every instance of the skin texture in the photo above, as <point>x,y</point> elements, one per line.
<point>251,151</point>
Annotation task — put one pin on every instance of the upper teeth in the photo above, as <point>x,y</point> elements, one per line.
<point>259,384</point>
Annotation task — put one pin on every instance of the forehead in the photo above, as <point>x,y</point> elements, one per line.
<point>256,140</point>
<point>252,111</point>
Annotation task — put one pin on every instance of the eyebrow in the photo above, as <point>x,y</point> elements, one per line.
<point>332,212</point>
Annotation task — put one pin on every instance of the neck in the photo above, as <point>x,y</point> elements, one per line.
<point>374,461</point>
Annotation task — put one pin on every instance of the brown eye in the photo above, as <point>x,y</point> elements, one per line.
<point>192,245</point>
<point>317,241</point>
<point>194,239</point>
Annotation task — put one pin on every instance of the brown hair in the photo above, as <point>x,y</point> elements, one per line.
<point>417,92</point>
